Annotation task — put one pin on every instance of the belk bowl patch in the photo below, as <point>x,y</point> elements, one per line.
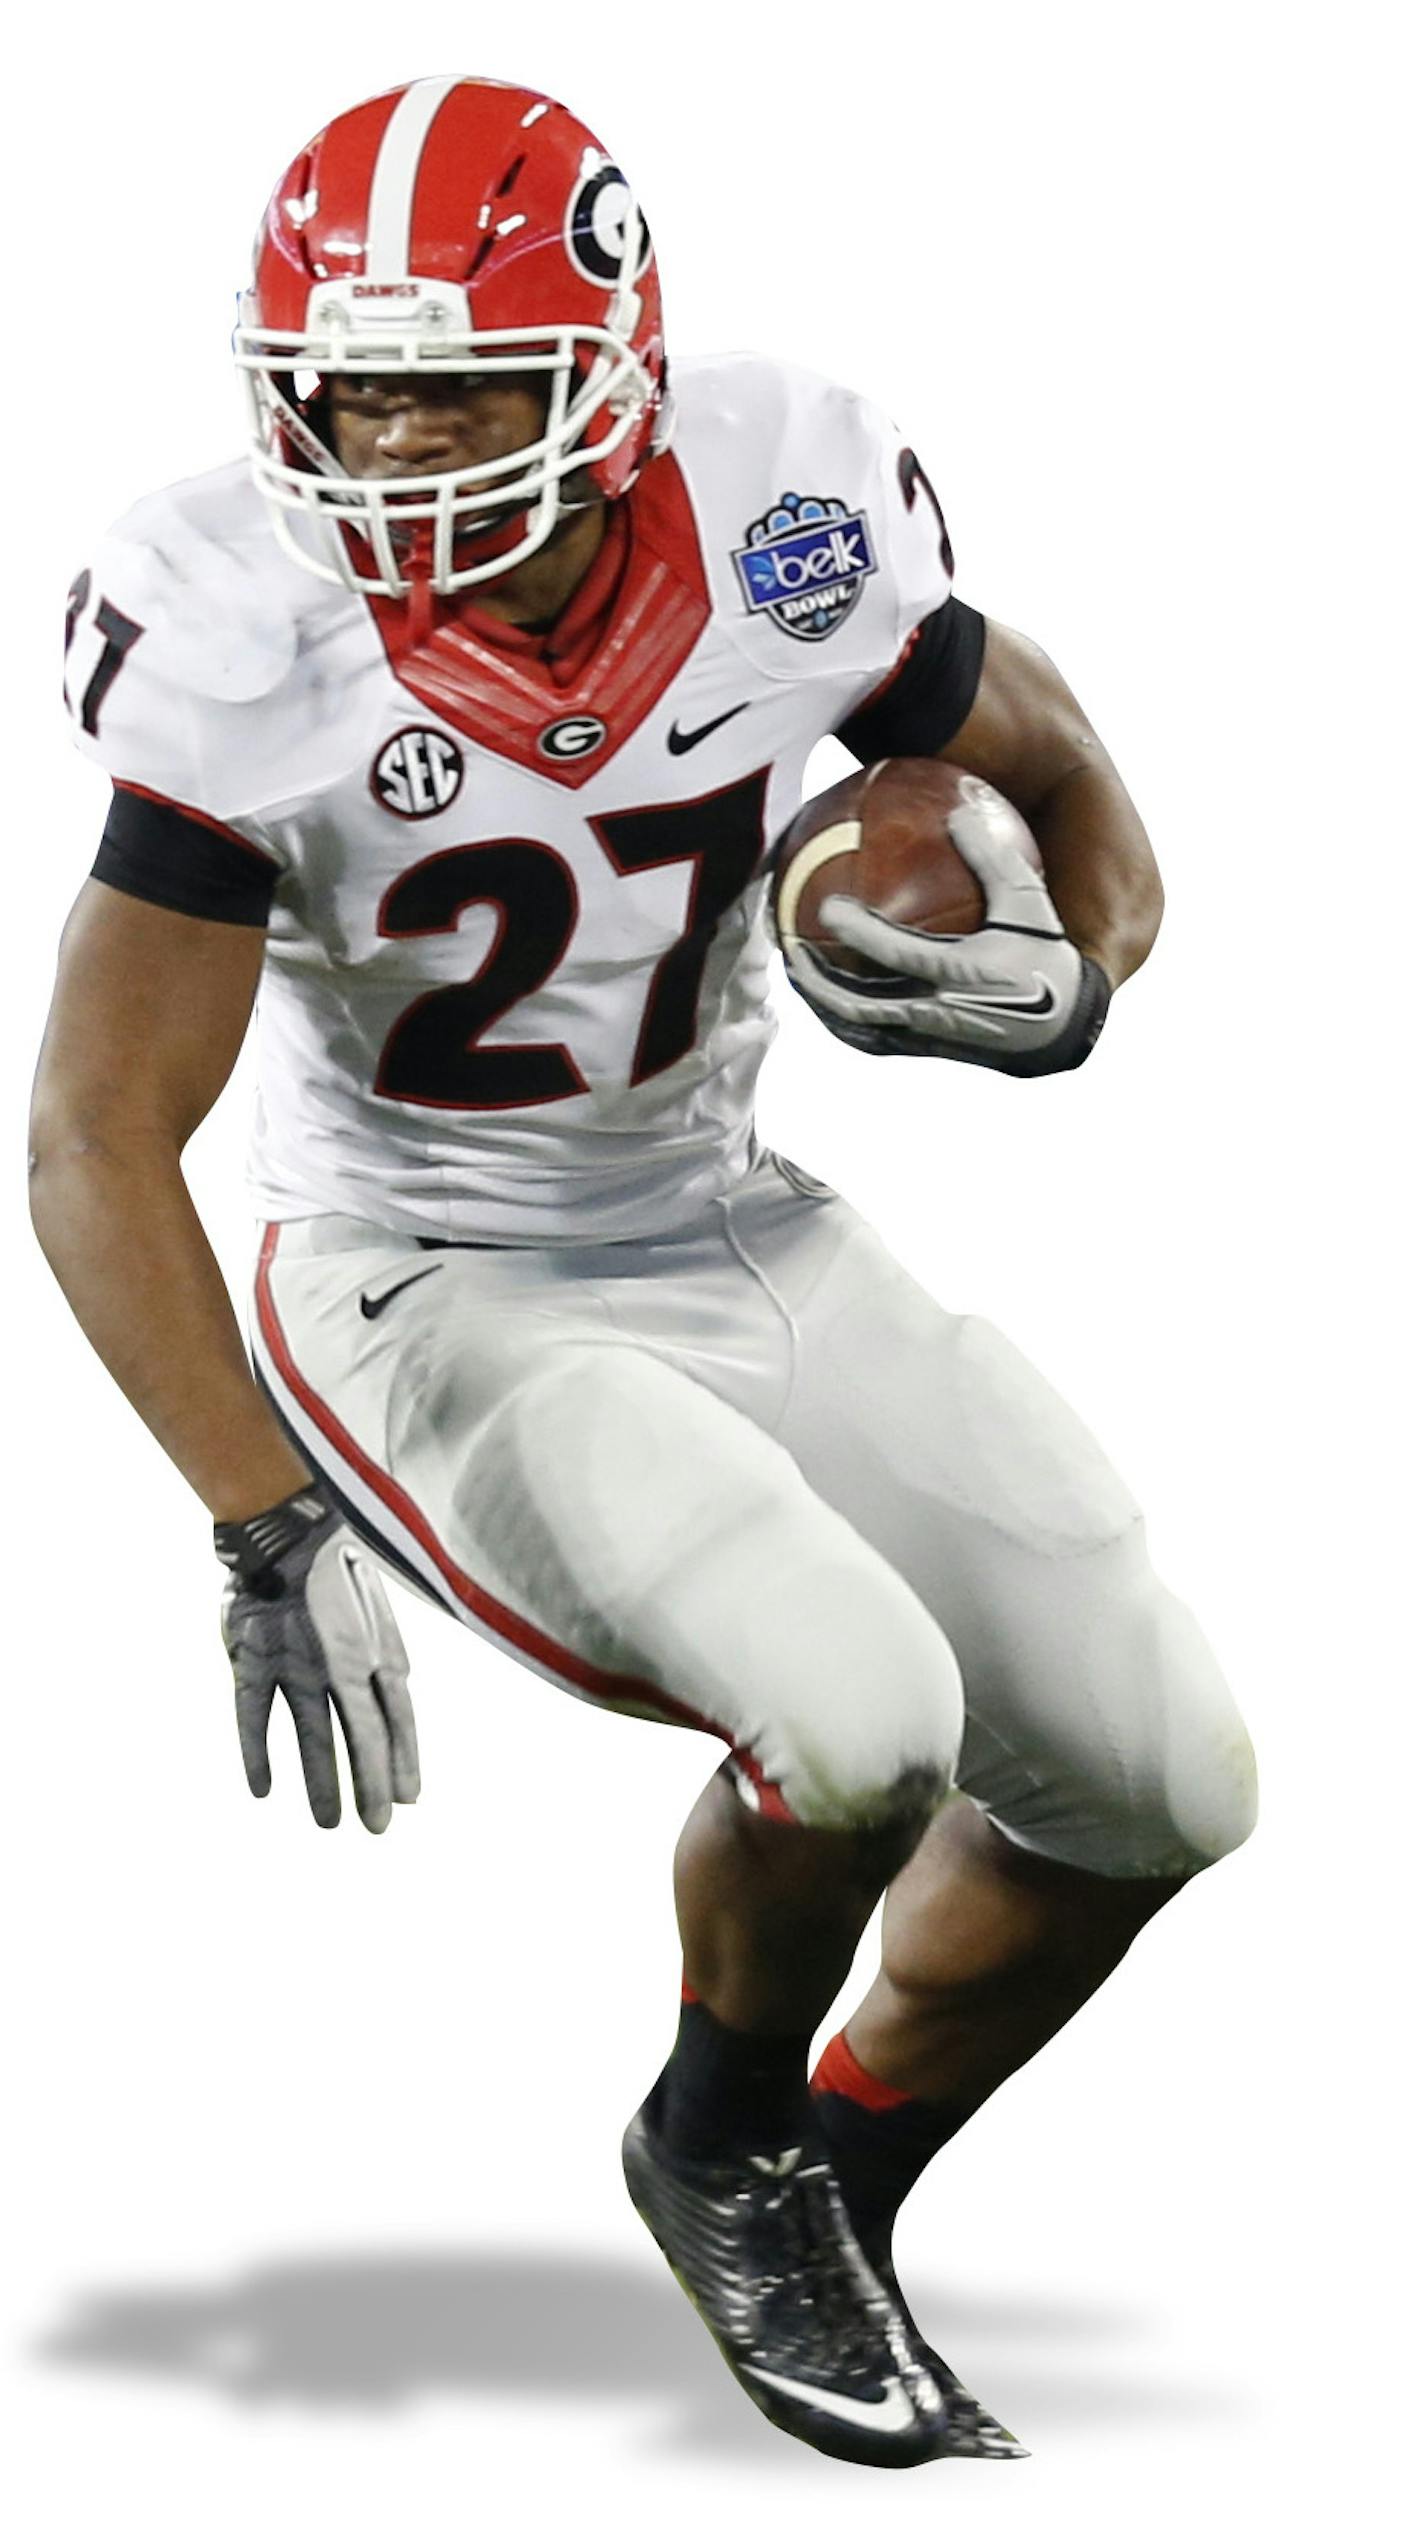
<point>805,562</point>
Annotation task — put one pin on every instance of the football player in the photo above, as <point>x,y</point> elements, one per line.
<point>461,717</point>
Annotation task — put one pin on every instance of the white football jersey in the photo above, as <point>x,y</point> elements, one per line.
<point>515,988</point>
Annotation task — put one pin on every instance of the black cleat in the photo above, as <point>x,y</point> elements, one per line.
<point>763,2249</point>
<point>983,2437</point>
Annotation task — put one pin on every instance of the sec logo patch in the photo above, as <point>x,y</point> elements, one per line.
<point>418,773</point>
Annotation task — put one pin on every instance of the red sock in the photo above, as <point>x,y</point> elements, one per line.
<point>839,2070</point>
<point>878,2136</point>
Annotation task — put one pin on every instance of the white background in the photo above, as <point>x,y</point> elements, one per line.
<point>314,2209</point>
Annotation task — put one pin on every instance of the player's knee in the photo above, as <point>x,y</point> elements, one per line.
<point>1226,1806</point>
<point>1144,1769</point>
<point>851,1703</point>
<point>672,1534</point>
<point>1208,1777</point>
<point>1189,1770</point>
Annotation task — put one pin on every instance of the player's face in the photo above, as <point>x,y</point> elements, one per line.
<point>406,425</point>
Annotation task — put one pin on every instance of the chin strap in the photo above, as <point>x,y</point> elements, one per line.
<point>498,537</point>
<point>420,604</point>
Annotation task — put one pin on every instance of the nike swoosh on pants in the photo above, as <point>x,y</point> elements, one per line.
<point>373,1305</point>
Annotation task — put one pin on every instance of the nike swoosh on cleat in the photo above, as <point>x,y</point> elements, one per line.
<point>373,1305</point>
<point>891,2414</point>
<point>679,742</point>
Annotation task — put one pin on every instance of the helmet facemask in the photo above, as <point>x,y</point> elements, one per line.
<point>414,327</point>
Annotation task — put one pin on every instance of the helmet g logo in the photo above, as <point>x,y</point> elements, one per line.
<point>596,230</point>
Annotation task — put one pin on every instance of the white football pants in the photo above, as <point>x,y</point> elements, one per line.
<point>750,1477</point>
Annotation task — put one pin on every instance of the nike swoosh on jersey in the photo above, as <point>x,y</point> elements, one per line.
<point>679,742</point>
<point>373,1305</point>
<point>891,2414</point>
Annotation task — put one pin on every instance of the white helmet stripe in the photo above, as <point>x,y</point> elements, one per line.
<point>393,181</point>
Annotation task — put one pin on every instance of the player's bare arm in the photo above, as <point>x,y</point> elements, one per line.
<point>1028,736</point>
<point>149,1012</point>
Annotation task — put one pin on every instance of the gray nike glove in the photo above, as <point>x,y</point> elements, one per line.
<point>1017,995</point>
<point>304,1614</point>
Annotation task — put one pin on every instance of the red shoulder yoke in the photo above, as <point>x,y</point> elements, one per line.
<point>505,688</point>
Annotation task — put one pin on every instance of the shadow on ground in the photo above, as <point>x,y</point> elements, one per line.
<point>380,2331</point>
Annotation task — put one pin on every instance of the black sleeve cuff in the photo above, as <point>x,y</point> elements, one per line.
<point>928,695</point>
<point>157,850</point>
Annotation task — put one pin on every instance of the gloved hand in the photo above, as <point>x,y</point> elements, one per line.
<point>305,1614</point>
<point>1016,995</point>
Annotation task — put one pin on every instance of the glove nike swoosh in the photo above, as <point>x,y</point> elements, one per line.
<point>890,2414</point>
<point>1043,1003</point>
<point>904,989</point>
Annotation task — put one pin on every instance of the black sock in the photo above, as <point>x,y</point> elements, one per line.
<point>879,2139</point>
<point>724,2092</point>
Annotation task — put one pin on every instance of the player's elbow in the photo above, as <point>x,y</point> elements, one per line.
<point>66,1130</point>
<point>62,1155</point>
<point>1143,917</point>
<point>86,1164</point>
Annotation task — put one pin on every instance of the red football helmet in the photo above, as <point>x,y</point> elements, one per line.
<point>451,225</point>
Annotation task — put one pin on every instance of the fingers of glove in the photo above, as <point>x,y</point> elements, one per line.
<point>346,1608</point>
<point>381,1625</point>
<point>878,1014</point>
<point>256,1691</point>
<point>393,1694</point>
<point>985,829</point>
<point>1039,975</point>
<point>950,1026</point>
<point>355,1642</point>
<point>973,961</point>
<point>368,1745</point>
<point>826,993</point>
<point>311,1711</point>
<point>390,1678</point>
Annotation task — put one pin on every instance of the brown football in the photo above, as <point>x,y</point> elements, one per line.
<point>882,836</point>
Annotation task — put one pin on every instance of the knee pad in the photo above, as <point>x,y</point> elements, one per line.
<point>1187,1771</point>
<point>1139,1765</point>
<point>1208,1778</point>
<point>650,1526</point>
